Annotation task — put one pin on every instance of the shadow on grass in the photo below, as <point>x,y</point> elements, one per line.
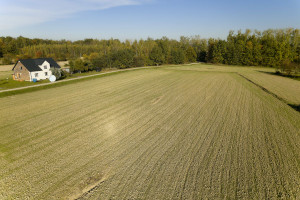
<point>295,107</point>
<point>295,77</point>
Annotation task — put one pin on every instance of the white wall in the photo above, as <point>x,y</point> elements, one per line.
<point>41,74</point>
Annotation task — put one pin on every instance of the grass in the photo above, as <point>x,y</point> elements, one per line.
<point>7,82</point>
<point>292,76</point>
<point>286,88</point>
<point>71,80</point>
<point>5,74</point>
<point>89,73</point>
<point>182,132</point>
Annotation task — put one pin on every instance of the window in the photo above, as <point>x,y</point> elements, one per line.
<point>36,74</point>
<point>46,73</point>
<point>45,67</point>
<point>21,68</point>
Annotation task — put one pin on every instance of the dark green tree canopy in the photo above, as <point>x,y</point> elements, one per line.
<point>274,48</point>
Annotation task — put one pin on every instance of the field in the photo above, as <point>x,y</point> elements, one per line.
<point>4,68</point>
<point>175,132</point>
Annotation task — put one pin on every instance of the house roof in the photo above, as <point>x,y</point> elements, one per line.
<point>33,64</point>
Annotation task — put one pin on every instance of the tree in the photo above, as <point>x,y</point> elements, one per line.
<point>123,58</point>
<point>190,55</point>
<point>1,48</point>
<point>267,48</point>
<point>80,65</point>
<point>139,61</point>
<point>210,51</point>
<point>156,56</point>
<point>177,56</point>
<point>56,72</point>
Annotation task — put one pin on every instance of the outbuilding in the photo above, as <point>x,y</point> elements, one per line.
<point>30,69</point>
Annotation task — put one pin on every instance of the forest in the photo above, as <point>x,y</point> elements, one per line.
<point>278,48</point>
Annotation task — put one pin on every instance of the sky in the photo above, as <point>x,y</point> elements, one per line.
<point>140,19</point>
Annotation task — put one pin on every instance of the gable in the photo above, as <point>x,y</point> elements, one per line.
<point>29,64</point>
<point>52,63</point>
<point>45,63</point>
<point>20,68</point>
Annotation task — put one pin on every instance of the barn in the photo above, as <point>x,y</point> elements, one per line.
<point>30,69</point>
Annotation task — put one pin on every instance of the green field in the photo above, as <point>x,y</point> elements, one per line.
<point>175,132</point>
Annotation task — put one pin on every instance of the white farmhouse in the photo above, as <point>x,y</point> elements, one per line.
<point>30,69</point>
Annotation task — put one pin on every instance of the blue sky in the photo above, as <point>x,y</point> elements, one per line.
<point>136,19</point>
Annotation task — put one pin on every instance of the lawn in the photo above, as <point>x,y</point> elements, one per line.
<point>175,132</point>
<point>5,75</point>
<point>7,82</point>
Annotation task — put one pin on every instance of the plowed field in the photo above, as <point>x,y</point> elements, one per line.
<point>163,133</point>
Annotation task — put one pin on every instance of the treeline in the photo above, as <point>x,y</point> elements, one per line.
<point>274,48</point>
